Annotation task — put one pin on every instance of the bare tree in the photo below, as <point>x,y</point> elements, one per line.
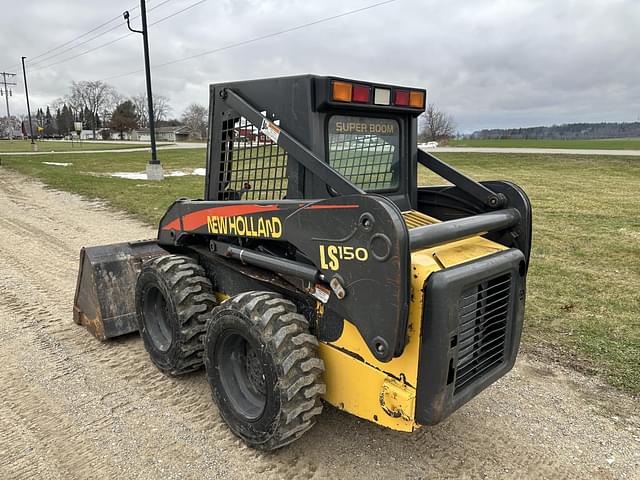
<point>92,96</point>
<point>195,118</point>
<point>161,108</point>
<point>437,125</point>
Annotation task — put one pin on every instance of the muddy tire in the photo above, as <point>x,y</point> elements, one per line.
<point>174,300</point>
<point>263,369</point>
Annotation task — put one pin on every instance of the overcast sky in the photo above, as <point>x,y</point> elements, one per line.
<point>488,63</point>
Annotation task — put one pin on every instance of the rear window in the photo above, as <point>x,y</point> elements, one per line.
<point>366,151</point>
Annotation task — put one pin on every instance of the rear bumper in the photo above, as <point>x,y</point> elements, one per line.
<point>471,328</point>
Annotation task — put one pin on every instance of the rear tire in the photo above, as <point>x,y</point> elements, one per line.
<point>263,369</point>
<point>174,300</point>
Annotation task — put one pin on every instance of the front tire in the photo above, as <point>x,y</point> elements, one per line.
<point>174,300</point>
<point>263,369</point>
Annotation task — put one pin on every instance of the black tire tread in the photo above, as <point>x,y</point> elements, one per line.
<point>295,354</point>
<point>193,295</point>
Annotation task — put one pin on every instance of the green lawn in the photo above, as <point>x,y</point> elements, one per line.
<point>7,146</point>
<point>605,143</point>
<point>583,299</point>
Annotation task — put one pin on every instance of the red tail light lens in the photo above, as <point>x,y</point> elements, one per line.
<point>361,93</point>
<point>401,98</point>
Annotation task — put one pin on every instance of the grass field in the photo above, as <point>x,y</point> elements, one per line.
<point>604,144</point>
<point>7,146</point>
<point>583,301</point>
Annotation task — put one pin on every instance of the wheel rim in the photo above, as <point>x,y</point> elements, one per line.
<point>156,321</point>
<point>239,364</point>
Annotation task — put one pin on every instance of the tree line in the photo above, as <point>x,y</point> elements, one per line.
<point>103,110</point>
<point>569,131</point>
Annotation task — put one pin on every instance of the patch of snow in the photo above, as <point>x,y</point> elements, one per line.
<point>143,175</point>
<point>58,164</point>
<point>176,173</point>
<point>130,175</point>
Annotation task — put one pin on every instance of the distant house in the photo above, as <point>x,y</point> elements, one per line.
<point>163,134</point>
<point>113,135</point>
<point>17,134</point>
<point>251,135</point>
<point>87,135</point>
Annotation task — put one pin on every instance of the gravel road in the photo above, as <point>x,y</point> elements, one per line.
<point>72,407</point>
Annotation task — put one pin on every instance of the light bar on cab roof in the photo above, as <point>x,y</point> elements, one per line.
<point>363,94</point>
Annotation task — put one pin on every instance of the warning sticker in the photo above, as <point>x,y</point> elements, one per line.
<point>270,129</point>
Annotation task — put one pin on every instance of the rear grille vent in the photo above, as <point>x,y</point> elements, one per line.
<point>483,311</point>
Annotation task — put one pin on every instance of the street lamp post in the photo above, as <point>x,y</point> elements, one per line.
<point>34,146</point>
<point>154,168</point>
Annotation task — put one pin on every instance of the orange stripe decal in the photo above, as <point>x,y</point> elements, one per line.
<point>332,206</point>
<point>194,220</point>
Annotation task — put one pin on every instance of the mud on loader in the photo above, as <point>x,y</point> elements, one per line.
<point>316,269</point>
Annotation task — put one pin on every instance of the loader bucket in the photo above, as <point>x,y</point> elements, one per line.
<point>105,292</point>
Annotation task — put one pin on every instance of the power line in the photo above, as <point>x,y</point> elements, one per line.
<point>42,67</point>
<point>177,13</point>
<point>262,37</point>
<point>45,60</point>
<point>76,38</point>
<point>13,67</point>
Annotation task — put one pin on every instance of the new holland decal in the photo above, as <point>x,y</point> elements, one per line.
<point>245,226</point>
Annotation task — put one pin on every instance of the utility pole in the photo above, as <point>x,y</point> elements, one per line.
<point>154,169</point>
<point>6,97</point>
<point>34,146</point>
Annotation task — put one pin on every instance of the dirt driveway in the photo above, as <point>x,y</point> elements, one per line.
<point>72,407</point>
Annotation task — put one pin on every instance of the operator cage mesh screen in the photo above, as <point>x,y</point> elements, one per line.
<point>252,166</point>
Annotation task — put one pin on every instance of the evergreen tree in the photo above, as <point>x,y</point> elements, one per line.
<point>66,120</point>
<point>49,123</point>
<point>124,118</point>
<point>58,120</point>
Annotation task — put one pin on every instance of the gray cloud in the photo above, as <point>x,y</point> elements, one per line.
<point>489,63</point>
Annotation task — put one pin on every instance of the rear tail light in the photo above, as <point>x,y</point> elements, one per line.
<point>342,91</point>
<point>361,93</point>
<point>401,98</point>
<point>348,92</point>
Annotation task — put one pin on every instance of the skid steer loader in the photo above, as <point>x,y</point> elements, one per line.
<point>317,269</point>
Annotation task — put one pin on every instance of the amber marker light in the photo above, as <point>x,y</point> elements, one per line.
<point>416,99</point>
<point>341,91</point>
